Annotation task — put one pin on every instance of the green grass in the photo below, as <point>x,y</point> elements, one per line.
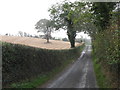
<point>101,79</point>
<point>42,78</point>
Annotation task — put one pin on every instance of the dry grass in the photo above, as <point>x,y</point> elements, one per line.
<point>35,42</point>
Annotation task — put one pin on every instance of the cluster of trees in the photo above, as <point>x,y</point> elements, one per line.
<point>8,34</point>
<point>65,15</point>
<point>101,20</point>
<point>20,33</point>
<point>24,34</point>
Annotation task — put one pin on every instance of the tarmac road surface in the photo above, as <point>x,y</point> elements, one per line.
<point>78,75</point>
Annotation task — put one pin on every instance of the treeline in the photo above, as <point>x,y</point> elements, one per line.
<point>105,40</point>
<point>21,62</point>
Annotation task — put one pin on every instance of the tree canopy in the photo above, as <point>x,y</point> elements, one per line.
<point>46,27</point>
<point>69,16</point>
<point>102,13</point>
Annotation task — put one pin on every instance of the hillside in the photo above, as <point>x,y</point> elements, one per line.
<point>36,42</point>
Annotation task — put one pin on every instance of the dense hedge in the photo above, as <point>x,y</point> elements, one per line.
<point>106,50</point>
<point>20,62</point>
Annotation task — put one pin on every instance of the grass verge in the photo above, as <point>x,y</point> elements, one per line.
<point>100,76</point>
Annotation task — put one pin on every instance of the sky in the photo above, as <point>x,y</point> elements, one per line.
<point>22,15</point>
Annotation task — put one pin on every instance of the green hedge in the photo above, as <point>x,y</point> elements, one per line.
<point>106,51</point>
<point>20,62</point>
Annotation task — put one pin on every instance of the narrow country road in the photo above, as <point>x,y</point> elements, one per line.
<point>78,75</point>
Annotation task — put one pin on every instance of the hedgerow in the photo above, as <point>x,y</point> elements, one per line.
<point>20,62</point>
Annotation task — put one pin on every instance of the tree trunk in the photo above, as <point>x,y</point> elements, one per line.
<point>71,37</point>
<point>71,33</point>
<point>47,40</point>
<point>47,35</point>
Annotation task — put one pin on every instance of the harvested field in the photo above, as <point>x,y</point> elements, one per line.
<point>36,42</point>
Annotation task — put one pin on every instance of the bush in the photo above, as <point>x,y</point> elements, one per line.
<point>22,62</point>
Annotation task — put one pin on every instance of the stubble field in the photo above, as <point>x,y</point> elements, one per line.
<point>37,42</point>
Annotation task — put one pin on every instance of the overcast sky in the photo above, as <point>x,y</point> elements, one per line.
<point>22,15</point>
